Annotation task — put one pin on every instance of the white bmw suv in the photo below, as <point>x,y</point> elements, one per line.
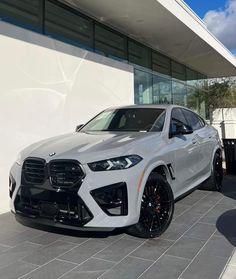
<point>124,168</point>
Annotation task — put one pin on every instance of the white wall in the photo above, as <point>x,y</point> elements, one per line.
<point>47,88</point>
<point>224,120</point>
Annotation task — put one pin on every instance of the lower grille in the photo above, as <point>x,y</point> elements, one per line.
<point>34,170</point>
<point>59,207</point>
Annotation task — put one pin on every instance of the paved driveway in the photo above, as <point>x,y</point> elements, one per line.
<point>198,244</point>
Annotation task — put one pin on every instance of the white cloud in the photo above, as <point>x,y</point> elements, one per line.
<point>222,23</point>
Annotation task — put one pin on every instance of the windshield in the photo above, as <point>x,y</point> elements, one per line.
<point>128,120</point>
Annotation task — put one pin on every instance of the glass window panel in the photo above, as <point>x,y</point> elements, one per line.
<point>178,70</point>
<point>68,25</point>
<point>26,12</point>
<point>193,98</point>
<point>179,93</point>
<point>161,90</point>
<point>161,64</point>
<point>202,81</point>
<point>143,87</point>
<point>193,120</point>
<point>109,43</point>
<point>192,77</point>
<point>139,54</point>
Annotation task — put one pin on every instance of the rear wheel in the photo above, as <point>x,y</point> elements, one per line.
<point>157,208</point>
<point>214,182</point>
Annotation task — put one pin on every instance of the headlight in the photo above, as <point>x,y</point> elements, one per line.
<point>19,159</point>
<point>119,163</point>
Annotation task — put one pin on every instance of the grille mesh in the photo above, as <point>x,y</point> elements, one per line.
<point>65,173</point>
<point>34,170</point>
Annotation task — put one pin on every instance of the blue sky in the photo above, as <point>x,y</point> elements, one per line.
<point>201,7</point>
<point>219,17</point>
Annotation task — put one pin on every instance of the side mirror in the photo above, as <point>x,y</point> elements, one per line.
<point>182,129</point>
<point>78,128</point>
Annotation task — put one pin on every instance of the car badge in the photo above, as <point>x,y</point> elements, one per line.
<point>52,154</point>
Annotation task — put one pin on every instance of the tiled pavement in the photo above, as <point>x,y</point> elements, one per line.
<point>198,244</point>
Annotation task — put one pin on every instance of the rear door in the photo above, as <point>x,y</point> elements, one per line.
<point>203,136</point>
<point>185,150</point>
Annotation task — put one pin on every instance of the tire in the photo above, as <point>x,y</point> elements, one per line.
<point>214,182</point>
<point>157,208</point>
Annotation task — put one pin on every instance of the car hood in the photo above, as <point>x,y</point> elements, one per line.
<point>88,147</point>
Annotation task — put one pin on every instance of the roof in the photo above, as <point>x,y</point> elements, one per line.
<point>169,26</point>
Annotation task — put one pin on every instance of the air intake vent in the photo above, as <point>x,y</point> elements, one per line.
<point>65,173</point>
<point>34,170</point>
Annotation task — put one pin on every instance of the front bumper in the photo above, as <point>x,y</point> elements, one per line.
<point>77,209</point>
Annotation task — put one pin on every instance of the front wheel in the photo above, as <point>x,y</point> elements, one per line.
<point>157,208</point>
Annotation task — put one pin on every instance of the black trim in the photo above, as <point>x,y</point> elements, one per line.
<point>63,207</point>
<point>112,197</point>
<point>171,171</point>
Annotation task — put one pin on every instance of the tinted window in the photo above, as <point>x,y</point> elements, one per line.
<point>177,118</point>
<point>24,12</point>
<point>194,121</point>
<point>161,63</point>
<point>109,43</point>
<point>130,119</point>
<point>139,54</point>
<point>178,70</point>
<point>68,25</point>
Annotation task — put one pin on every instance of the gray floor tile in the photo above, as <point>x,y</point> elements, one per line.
<point>204,267</point>
<point>186,247</point>
<point>188,218</point>
<point>16,253</point>
<point>194,197</point>
<point>129,268</point>
<point>84,251</point>
<point>46,238</point>
<point>175,231</point>
<point>213,198</point>
<point>118,250</point>
<point>218,247</point>
<point>20,237</point>
<point>91,269</point>
<point>180,209</point>
<point>201,231</point>
<point>16,269</point>
<point>152,249</point>
<point>52,270</point>
<point>211,261</point>
<point>73,239</point>
<point>167,267</point>
<point>47,253</point>
<point>131,237</point>
<point>212,216</point>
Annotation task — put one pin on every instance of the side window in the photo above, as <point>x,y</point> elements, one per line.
<point>177,117</point>
<point>159,123</point>
<point>193,120</point>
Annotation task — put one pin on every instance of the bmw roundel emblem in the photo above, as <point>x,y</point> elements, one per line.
<point>52,154</point>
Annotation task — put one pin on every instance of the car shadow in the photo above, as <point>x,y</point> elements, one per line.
<point>226,223</point>
<point>68,232</point>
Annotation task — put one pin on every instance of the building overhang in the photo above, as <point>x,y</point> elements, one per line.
<point>169,26</point>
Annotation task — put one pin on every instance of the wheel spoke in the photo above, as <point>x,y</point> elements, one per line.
<point>156,206</point>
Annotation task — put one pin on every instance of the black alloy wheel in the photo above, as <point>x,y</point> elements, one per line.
<point>214,182</point>
<point>217,172</point>
<point>157,208</point>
